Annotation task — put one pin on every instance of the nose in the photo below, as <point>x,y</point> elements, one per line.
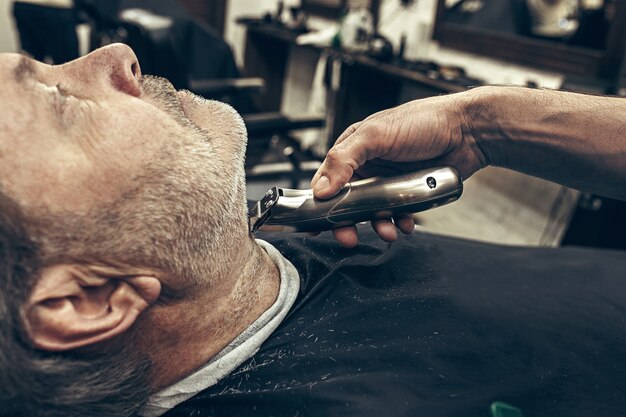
<point>113,65</point>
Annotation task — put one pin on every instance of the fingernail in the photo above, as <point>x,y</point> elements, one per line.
<point>322,184</point>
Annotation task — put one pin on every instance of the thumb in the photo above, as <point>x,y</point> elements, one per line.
<point>339,166</point>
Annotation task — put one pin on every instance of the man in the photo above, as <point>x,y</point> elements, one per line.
<point>75,165</point>
<point>130,282</point>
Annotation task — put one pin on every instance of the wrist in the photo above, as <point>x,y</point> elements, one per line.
<point>476,115</point>
<point>486,121</point>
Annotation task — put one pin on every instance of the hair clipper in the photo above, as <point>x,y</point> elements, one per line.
<point>283,209</point>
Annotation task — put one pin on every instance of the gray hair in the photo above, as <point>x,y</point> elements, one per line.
<point>37,383</point>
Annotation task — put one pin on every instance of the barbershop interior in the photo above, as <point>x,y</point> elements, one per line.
<point>301,72</point>
<point>490,131</point>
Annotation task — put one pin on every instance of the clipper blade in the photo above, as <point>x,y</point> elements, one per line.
<point>261,211</point>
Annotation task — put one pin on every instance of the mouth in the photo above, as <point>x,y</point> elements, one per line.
<point>208,113</point>
<point>161,93</point>
<point>190,106</point>
<point>186,106</point>
<point>185,98</point>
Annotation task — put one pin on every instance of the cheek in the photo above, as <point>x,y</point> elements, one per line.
<point>55,181</point>
<point>88,166</point>
<point>129,141</point>
<point>131,132</point>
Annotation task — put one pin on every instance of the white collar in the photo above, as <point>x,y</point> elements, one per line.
<point>239,350</point>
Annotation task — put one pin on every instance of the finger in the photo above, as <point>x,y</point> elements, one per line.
<point>346,133</point>
<point>339,166</point>
<point>316,178</point>
<point>385,229</point>
<point>405,223</point>
<point>347,236</point>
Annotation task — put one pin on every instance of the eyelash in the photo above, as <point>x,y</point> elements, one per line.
<point>62,100</point>
<point>61,90</point>
<point>60,96</point>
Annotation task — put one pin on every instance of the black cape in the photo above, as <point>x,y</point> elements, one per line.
<point>436,326</point>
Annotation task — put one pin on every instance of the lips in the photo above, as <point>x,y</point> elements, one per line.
<point>192,107</point>
<point>186,98</point>
<point>208,114</point>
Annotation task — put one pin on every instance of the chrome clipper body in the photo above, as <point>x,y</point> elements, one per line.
<point>283,209</point>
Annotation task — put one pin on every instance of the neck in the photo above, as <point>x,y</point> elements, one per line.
<point>189,333</point>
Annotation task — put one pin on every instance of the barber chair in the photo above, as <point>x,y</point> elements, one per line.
<point>193,57</point>
<point>46,33</point>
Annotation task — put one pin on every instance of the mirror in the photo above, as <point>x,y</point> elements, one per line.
<point>577,37</point>
<point>328,8</point>
<point>335,8</point>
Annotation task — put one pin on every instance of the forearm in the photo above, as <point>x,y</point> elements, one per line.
<point>572,139</point>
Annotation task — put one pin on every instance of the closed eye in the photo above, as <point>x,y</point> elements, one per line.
<point>59,97</point>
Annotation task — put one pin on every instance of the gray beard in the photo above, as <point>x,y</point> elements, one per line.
<point>185,214</point>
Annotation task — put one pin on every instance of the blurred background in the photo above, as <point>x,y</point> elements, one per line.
<point>302,71</point>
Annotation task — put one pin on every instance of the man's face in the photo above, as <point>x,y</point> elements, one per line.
<point>131,167</point>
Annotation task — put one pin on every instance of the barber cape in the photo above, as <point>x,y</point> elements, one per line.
<point>436,326</point>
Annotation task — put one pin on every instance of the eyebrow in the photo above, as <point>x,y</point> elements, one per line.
<point>24,69</point>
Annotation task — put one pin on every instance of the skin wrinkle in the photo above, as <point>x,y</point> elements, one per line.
<point>473,110</point>
<point>31,83</point>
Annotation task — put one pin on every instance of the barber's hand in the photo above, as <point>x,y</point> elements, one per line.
<point>416,135</point>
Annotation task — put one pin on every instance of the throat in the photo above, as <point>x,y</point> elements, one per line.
<point>257,288</point>
<point>184,337</point>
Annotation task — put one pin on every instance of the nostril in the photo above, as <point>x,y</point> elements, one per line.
<point>135,70</point>
<point>126,76</point>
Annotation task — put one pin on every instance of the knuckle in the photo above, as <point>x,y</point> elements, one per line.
<point>335,154</point>
<point>374,129</point>
<point>348,132</point>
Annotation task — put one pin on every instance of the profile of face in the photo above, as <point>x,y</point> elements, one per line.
<point>113,168</point>
<point>126,193</point>
<point>94,146</point>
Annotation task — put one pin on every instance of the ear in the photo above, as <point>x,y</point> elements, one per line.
<point>70,308</point>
